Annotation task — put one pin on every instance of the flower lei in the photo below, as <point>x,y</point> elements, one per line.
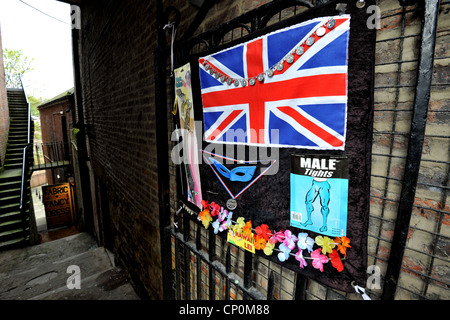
<point>266,240</point>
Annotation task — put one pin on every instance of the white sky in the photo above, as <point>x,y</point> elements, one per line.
<point>42,38</point>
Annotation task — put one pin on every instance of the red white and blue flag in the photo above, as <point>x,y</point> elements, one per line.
<point>301,105</point>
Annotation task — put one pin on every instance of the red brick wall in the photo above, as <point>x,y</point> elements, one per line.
<point>4,111</point>
<point>51,127</point>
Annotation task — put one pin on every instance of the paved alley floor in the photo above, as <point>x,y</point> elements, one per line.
<point>71,268</point>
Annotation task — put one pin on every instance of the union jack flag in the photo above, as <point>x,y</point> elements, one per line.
<point>302,105</point>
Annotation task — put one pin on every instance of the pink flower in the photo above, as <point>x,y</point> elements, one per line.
<point>318,259</point>
<point>299,258</point>
<point>277,237</point>
<point>289,239</point>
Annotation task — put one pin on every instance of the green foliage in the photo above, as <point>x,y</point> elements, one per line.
<point>34,103</point>
<point>15,64</point>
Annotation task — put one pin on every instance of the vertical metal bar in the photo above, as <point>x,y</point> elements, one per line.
<point>187,273</point>
<point>415,145</point>
<point>212,283</point>
<point>228,259</point>
<point>248,261</point>
<point>186,228</point>
<point>270,286</point>
<point>228,271</point>
<point>300,287</point>
<point>37,153</point>
<point>212,257</point>
<point>198,238</point>
<point>55,151</point>
<point>187,258</point>
<point>211,245</point>
<point>199,277</point>
<point>177,270</point>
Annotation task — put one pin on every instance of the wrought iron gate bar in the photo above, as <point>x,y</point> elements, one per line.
<point>255,23</point>
<point>214,266</point>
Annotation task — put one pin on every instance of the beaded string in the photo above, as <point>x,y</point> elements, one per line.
<point>279,66</point>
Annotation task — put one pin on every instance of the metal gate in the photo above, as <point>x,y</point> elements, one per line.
<point>200,265</point>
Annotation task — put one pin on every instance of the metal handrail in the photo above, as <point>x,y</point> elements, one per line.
<point>24,159</point>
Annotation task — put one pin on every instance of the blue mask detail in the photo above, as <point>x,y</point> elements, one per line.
<point>242,174</point>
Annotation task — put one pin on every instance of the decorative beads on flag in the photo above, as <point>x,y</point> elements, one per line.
<point>290,58</point>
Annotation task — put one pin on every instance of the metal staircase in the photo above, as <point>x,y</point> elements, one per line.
<point>15,192</point>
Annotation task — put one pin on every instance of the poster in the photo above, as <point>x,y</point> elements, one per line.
<point>58,204</point>
<point>183,92</point>
<point>319,194</point>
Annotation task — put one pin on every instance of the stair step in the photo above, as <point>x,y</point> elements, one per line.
<point>18,114</point>
<point>13,166</point>
<point>9,192</point>
<point>18,141</point>
<point>11,225</point>
<point>11,182</point>
<point>13,160</point>
<point>12,215</point>
<point>15,149</point>
<point>17,233</point>
<point>14,243</point>
<point>11,232</point>
<point>10,199</point>
<point>17,138</point>
<point>16,145</point>
<point>13,157</point>
<point>10,175</point>
<point>18,127</point>
<point>18,154</point>
<point>16,100</point>
<point>9,210</point>
<point>9,207</point>
<point>11,185</point>
<point>19,133</point>
<point>6,218</point>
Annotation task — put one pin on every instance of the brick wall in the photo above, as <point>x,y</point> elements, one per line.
<point>4,111</point>
<point>118,38</point>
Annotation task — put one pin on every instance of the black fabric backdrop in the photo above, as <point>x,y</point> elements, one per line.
<point>268,200</point>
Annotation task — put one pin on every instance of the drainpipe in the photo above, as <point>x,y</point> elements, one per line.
<point>83,184</point>
<point>162,144</point>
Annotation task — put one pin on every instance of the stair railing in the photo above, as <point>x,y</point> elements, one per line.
<point>25,160</point>
<point>50,151</point>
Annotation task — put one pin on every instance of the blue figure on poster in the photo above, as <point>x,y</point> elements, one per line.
<point>320,188</point>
